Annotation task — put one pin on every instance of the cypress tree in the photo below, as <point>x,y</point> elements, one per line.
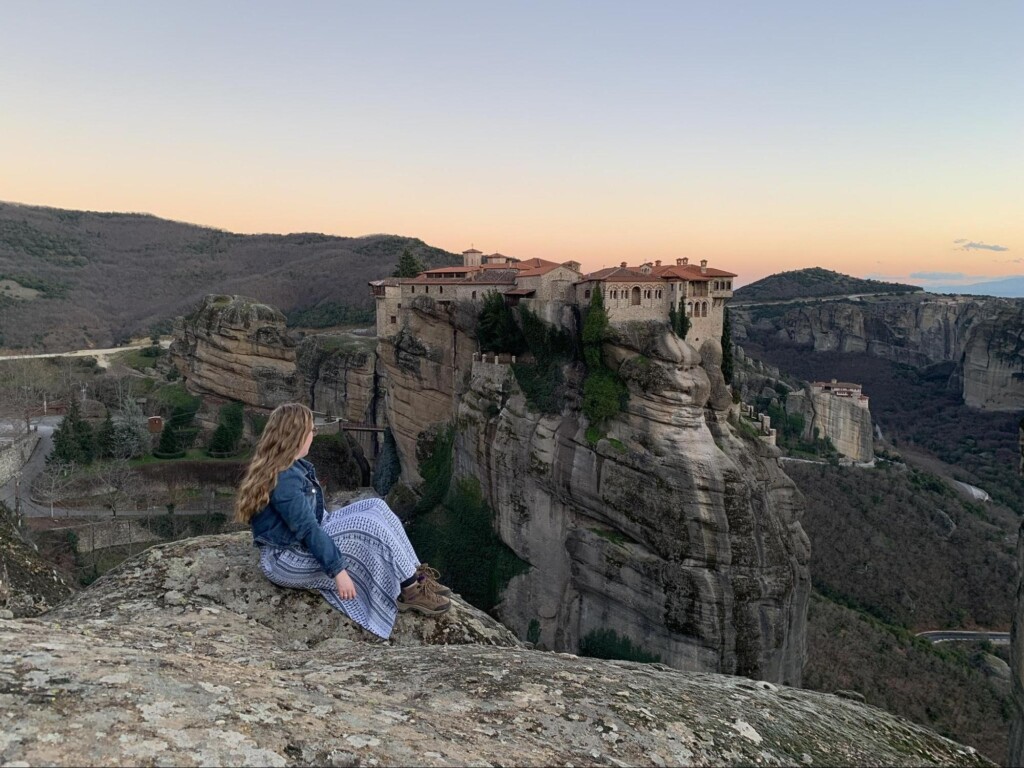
<point>727,348</point>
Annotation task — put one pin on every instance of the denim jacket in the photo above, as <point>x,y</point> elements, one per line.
<point>293,516</point>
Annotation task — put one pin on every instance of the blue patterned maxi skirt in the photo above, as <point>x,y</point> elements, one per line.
<point>378,558</point>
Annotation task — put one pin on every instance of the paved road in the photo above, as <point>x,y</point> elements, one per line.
<point>950,636</point>
<point>36,464</point>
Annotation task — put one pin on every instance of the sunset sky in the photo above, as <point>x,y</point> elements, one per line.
<point>879,139</point>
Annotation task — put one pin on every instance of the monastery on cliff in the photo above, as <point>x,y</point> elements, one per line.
<point>551,290</point>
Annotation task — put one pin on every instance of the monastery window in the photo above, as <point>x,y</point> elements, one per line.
<point>657,294</point>
<point>689,309</point>
<point>412,289</point>
<point>474,294</point>
<point>426,289</point>
<point>615,294</point>
<point>704,309</point>
<point>586,294</point>
<point>394,319</point>
<point>399,305</point>
<point>634,297</point>
<point>440,289</point>
<point>647,294</point>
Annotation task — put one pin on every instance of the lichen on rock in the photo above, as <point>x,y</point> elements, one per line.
<point>184,655</point>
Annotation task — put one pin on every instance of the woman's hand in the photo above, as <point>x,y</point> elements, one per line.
<point>346,589</point>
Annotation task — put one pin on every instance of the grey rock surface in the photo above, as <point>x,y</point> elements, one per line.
<point>182,657</point>
<point>673,532</point>
<point>981,335</point>
<point>236,348</point>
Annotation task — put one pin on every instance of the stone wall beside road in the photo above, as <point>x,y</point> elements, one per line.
<point>14,455</point>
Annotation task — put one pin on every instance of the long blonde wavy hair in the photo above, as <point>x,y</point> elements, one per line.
<point>276,450</point>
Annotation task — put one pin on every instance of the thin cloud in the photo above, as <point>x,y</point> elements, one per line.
<point>938,275</point>
<point>977,246</point>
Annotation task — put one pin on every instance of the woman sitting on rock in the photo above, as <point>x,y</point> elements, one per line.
<point>358,556</point>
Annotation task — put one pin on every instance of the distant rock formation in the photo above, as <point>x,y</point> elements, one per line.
<point>981,335</point>
<point>675,532</point>
<point>235,348</point>
<point>336,376</point>
<point>840,419</point>
<point>186,654</point>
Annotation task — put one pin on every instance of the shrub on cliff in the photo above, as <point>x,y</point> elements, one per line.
<point>497,330</point>
<point>603,390</point>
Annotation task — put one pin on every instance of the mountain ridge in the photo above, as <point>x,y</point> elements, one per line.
<point>78,278</point>
<point>814,282</point>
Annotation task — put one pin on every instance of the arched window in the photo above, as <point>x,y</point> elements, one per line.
<point>615,294</point>
<point>634,298</point>
<point>412,289</point>
<point>704,309</point>
<point>440,289</point>
<point>689,308</point>
<point>586,294</point>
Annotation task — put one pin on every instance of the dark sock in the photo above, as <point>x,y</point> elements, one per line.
<point>409,582</point>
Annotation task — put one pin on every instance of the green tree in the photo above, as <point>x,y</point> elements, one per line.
<point>727,348</point>
<point>497,330</point>
<point>408,265</point>
<point>228,433</point>
<point>106,438</point>
<point>73,441</point>
<point>595,327</point>
<point>603,390</point>
<point>679,321</point>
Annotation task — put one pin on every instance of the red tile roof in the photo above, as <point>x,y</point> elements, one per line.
<point>625,274</point>
<point>689,272</point>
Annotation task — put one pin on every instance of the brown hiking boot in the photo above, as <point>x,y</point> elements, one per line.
<point>420,596</point>
<point>427,574</point>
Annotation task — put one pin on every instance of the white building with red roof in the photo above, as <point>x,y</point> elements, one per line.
<point>552,290</point>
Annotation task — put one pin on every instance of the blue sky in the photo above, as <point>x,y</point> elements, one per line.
<point>865,137</point>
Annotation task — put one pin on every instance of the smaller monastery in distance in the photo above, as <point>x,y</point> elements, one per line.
<point>554,290</point>
<point>844,389</point>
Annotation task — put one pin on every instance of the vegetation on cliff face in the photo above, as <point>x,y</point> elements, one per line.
<point>814,282</point>
<point>940,686</point>
<point>603,390</point>
<point>895,551</point>
<point>905,547</point>
<point>453,527</point>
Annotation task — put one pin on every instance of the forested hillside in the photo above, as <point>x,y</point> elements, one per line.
<point>814,282</point>
<point>71,279</point>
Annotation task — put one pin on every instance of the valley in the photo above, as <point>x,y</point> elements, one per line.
<point>662,530</point>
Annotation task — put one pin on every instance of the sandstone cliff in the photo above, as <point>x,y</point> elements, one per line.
<point>336,376</point>
<point>981,335</point>
<point>840,419</point>
<point>185,655</point>
<point>235,348</point>
<point>673,532</point>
